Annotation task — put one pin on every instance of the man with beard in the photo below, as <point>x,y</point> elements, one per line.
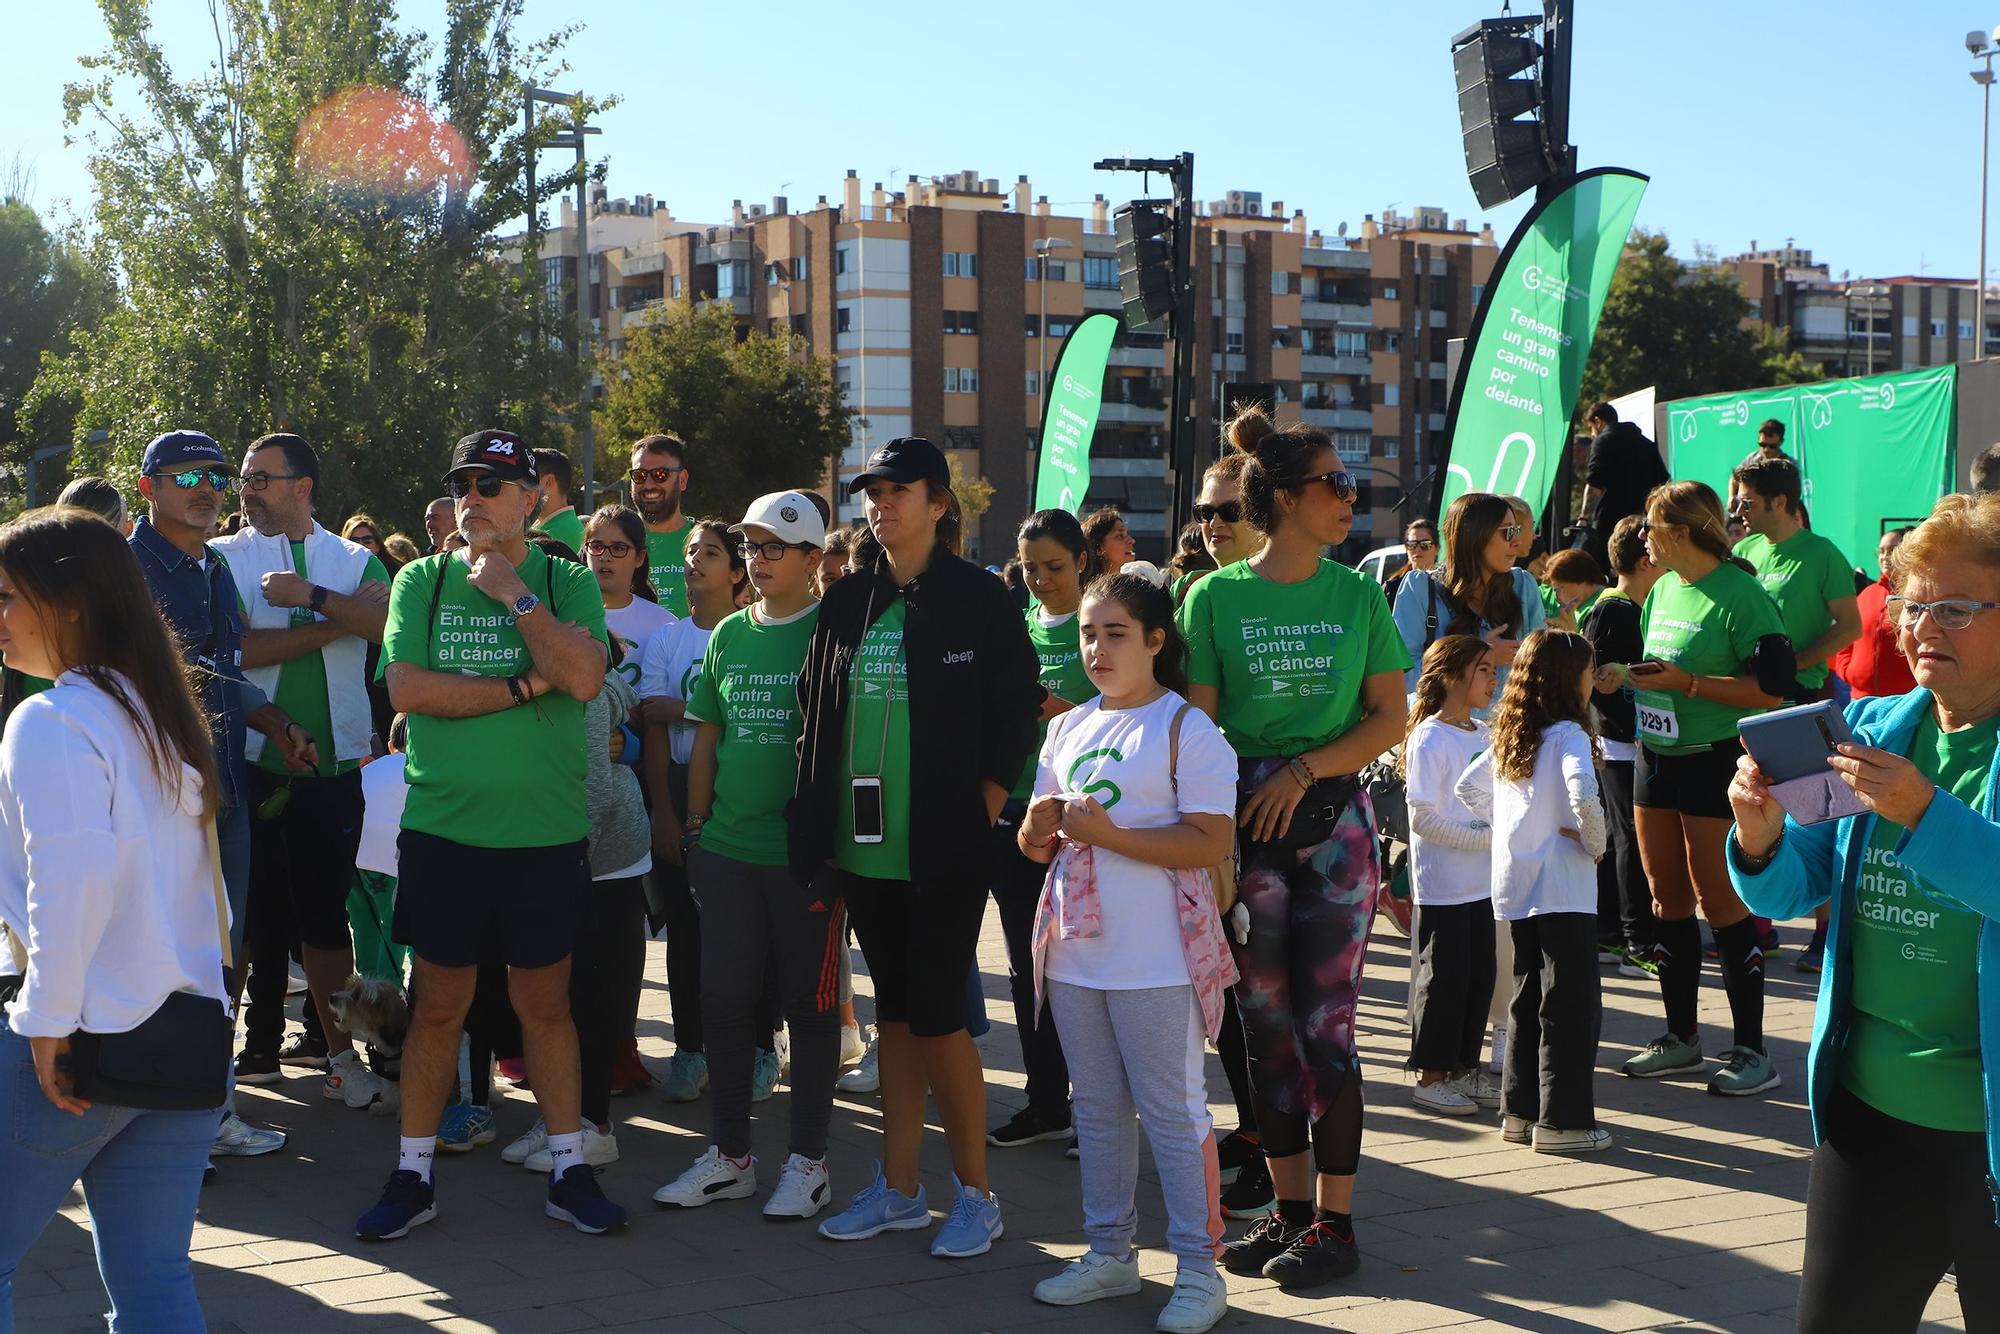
<point>658,478</point>
<point>315,602</point>
<point>493,654</point>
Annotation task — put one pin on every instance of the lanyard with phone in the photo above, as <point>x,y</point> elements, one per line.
<point>865,790</point>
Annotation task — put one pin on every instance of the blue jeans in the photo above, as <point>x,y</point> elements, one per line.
<point>141,1175</point>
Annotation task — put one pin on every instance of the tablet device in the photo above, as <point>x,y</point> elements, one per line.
<point>1792,747</point>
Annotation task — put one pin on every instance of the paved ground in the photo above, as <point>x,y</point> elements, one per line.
<point>1693,1220</point>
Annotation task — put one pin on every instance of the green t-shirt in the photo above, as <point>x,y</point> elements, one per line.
<point>301,691</point>
<point>749,687</point>
<point>1707,628</point>
<point>666,554</point>
<point>1552,606</point>
<point>509,779</point>
<point>566,526</point>
<point>1060,652</point>
<point>877,745</point>
<point>34,685</point>
<point>1806,574</point>
<point>1289,659</point>
<point>1913,1051</point>
<point>1185,582</point>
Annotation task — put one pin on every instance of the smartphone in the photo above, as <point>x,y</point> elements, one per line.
<point>1792,747</point>
<point>1645,667</point>
<point>867,795</point>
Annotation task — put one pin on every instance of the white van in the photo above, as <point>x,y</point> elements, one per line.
<point>1382,563</point>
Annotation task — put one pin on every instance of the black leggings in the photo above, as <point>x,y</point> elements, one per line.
<point>1890,1206</point>
<point>1017,889</point>
<point>1335,1137</point>
<point>1452,961</point>
<point>604,979</point>
<point>1235,1054</point>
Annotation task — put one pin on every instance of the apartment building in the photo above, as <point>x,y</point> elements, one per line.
<point>1863,326</point>
<point>943,305</point>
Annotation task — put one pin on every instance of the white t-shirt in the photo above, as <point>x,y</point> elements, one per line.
<point>1121,757</point>
<point>634,626</point>
<point>1454,863</point>
<point>669,666</point>
<point>1537,870</point>
<point>383,792</point>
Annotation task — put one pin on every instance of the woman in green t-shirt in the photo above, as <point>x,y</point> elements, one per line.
<point>1299,662</point>
<point>1218,513</point>
<point>1716,652</point>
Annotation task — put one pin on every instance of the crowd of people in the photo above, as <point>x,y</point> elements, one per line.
<point>462,788</point>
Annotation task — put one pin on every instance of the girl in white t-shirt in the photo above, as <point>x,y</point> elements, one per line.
<point>614,548</point>
<point>1451,954</point>
<point>1135,791</point>
<point>1536,784</point>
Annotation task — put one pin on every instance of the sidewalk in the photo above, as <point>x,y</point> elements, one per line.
<point>1692,1221</point>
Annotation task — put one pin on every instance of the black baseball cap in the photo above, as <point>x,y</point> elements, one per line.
<point>906,459</point>
<point>501,453</point>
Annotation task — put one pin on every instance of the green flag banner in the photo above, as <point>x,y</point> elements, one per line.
<point>1070,401</point>
<point>1875,452</point>
<point>1510,407</point>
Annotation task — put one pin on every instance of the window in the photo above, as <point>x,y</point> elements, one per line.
<point>772,273</point>
<point>1100,271</point>
<point>961,380</point>
<point>1032,269</point>
<point>1352,446</point>
<point>1392,395</point>
<point>1965,328</point>
<point>1937,328</point>
<point>1478,291</point>
<point>1389,293</point>
<point>1058,270</point>
<point>732,278</point>
<point>1232,342</point>
<point>1909,326</point>
<point>1033,326</point>
<point>1281,283</point>
<point>1392,342</point>
<point>961,264</point>
<point>951,263</point>
<point>1060,326</point>
<point>843,319</point>
<point>840,259</point>
<point>1034,385</point>
<point>677,287</point>
<point>1391,447</point>
<point>961,321</point>
<point>1350,343</point>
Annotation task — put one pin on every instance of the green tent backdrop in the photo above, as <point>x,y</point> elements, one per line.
<point>1875,451</point>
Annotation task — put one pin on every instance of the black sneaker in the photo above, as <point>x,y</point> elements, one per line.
<point>1027,1127</point>
<point>407,1201</point>
<point>1071,1150</point>
<point>578,1200</point>
<point>1233,1154</point>
<point>1317,1255</point>
<point>302,1048</point>
<point>1266,1240</point>
<point>1251,1194</point>
<point>256,1068</point>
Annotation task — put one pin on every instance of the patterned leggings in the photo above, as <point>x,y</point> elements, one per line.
<point>1310,913</point>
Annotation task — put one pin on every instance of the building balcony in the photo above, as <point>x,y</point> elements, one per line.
<point>1319,363</point>
<point>721,251</point>
<point>1149,358</point>
<point>738,304</point>
<point>1131,414</point>
<point>1337,312</point>
<point>635,265</point>
<point>1338,419</point>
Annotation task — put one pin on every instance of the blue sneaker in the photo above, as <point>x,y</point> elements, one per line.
<point>876,1209</point>
<point>407,1201</point>
<point>764,1075</point>
<point>973,1227</point>
<point>687,1076</point>
<point>578,1200</point>
<point>465,1127</point>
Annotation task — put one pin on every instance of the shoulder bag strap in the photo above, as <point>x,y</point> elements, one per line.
<point>1431,617</point>
<point>1174,749</point>
<point>221,896</point>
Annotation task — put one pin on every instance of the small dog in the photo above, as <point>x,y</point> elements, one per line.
<point>379,1014</point>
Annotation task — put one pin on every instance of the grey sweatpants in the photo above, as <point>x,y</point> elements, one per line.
<point>752,917</point>
<point>1141,1051</point>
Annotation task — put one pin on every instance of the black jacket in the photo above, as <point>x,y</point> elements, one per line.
<point>975,696</point>
<point>1624,465</point>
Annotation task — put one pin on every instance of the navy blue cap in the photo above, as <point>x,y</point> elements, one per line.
<point>906,459</point>
<point>177,449</point>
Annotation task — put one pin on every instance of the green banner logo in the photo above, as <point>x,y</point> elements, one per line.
<point>1070,401</point>
<point>1510,408</point>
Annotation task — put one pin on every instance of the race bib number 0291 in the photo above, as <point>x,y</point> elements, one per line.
<point>1658,724</point>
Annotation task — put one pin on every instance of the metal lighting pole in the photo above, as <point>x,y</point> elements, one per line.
<point>1976,43</point>
<point>573,137</point>
<point>1042,247</point>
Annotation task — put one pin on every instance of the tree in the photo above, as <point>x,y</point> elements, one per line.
<point>757,412</point>
<point>974,492</point>
<point>304,237</point>
<point>50,289</point>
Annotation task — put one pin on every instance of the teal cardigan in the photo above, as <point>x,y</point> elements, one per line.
<point>1953,846</point>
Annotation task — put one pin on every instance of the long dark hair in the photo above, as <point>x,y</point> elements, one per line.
<point>1150,606</point>
<point>1475,592</point>
<point>633,529</point>
<point>1446,662</point>
<point>739,569</point>
<point>1097,527</point>
<point>80,573</point>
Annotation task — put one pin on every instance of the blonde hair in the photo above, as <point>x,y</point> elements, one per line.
<point>1961,527</point>
<point>1540,692</point>
<point>1446,662</point>
<point>1695,507</point>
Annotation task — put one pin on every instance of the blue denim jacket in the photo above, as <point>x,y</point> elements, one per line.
<point>1952,846</point>
<point>202,608</point>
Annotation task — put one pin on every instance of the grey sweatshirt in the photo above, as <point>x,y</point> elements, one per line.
<point>620,834</point>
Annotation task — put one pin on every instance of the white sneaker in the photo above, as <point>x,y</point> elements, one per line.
<point>1594,1140</point>
<point>1199,1301</point>
<point>362,1087</point>
<point>712,1178</point>
<point>803,1189</point>
<point>536,1140</point>
<point>853,1046</point>
<point>866,1076</point>
<point>1443,1098</point>
<point>237,1138</point>
<point>1482,1086</point>
<point>599,1149</point>
<point>1090,1277</point>
<point>339,1070</point>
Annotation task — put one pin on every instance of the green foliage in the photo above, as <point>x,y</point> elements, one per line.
<point>50,288</point>
<point>268,281</point>
<point>756,411</point>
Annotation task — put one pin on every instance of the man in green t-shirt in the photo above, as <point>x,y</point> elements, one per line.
<point>493,653</point>
<point>659,476</point>
<point>313,602</point>
<point>558,518</point>
<point>1805,573</point>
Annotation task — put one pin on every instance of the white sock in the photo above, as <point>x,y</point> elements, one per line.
<point>1499,1048</point>
<point>417,1155</point>
<point>565,1152</point>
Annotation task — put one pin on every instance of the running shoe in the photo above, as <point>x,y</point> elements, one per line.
<point>1664,1055</point>
<point>1091,1277</point>
<point>1444,1098</point>
<point>1251,1195</point>
<point>1767,936</point>
<point>339,1070</point>
<point>257,1068</point>
<point>600,1149</point>
<point>534,1140</point>
<point>1636,970</point>
<point>1743,1073</point>
<point>1267,1239</point>
<point>1198,1304</point>
<point>853,1044</point>
<point>576,1198</point>
<point>866,1076</point>
<point>237,1138</point>
<point>687,1076</point>
<point>974,1224</point>
<point>876,1209</point>
<point>1547,1139</point>
<point>1234,1154</point>
<point>513,1069</point>
<point>1811,960</point>
<point>1317,1255</point>
<point>302,1048</point>
<point>712,1177</point>
<point>628,1073</point>
<point>363,1089</point>
<point>764,1075</point>
<point>407,1201</point>
<point>803,1189</point>
<point>464,1127</point>
<point>1026,1127</point>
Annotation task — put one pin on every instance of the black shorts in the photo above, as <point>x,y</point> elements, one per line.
<point>302,858</point>
<point>454,902</point>
<point>1696,784</point>
<point>921,944</point>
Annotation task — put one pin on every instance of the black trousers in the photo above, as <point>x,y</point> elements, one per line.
<point>1625,897</point>
<point>1553,1022</point>
<point>605,974</point>
<point>1017,888</point>
<point>1890,1206</point>
<point>1451,984</point>
<point>682,924</point>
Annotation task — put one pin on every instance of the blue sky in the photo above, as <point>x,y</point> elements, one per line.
<point>1851,127</point>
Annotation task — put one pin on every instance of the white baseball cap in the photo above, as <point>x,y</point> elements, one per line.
<point>790,514</point>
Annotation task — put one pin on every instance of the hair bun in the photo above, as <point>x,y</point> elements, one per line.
<point>1249,426</point>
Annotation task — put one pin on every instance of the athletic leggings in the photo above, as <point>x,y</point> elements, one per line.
<point>1890,1206</point>
<point>1017,889</point>
<point>605,975</point>
<point>683,931</point>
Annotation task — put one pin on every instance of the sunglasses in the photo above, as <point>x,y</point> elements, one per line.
<point>1420,544</point>
<point>1229,511</point>
<point>616,550</point>
<point>1512,532</point>
<point>365,539</point>
<point>189,479</point>
<point>1341,482</point>
<point>461,486</point>
<point>657,476</point>
<point>1948,613</point>
<point>769,551</point>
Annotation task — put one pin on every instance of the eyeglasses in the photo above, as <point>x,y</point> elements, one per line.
<point>1511,531</point>
<point>657,476</point>
<point>1229,511</point>
<point>365,539</point>
<point>1949,613</point>
<point>189,479</point>
<point>461,486</point>
<point>257,481</point>
<point>1420,544</point>
<point>769,551</point>
<point>616,550</point>
<point>1341,482</point>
